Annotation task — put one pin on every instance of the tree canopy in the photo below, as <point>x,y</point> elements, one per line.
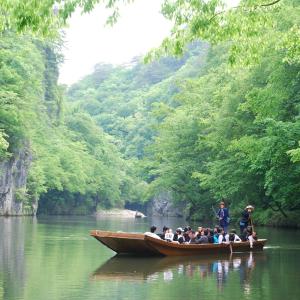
<point>219,121</point>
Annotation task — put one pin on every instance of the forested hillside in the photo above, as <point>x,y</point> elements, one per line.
<point>121,99</point>
<point>208,127</point>
<point>45,152</point>
<point>219,121</point>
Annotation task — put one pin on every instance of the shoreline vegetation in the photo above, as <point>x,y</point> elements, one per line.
<point>259,217</point>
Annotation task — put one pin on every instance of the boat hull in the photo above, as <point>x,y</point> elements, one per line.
<point>245,246</point>
<point>125,243</point>
<point>144,245</point>
<point>174,249</point>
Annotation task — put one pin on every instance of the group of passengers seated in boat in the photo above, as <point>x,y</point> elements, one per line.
<point>203,235</point>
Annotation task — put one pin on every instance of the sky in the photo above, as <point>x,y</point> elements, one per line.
<point>88,41</point>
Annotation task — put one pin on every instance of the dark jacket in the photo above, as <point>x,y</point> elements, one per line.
<point>193,241</point>
<point>175,237</point>
<point>186,237</point>
<point>210,239</point>
<point>245,218</point>
<point>223,215</point>
<point>180,240</point>
<point>203,239</point>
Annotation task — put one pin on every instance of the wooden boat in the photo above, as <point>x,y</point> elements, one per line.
<point>125,243</point>
<point>141,244</point>
<point>174,249</point>
<point>139,215</point>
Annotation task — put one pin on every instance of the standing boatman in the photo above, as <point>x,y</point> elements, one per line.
<point>246,218</point>
<point>223,215</point>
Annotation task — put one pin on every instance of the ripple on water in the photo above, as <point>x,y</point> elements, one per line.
<point>67,238</point>
<point>287,247</point>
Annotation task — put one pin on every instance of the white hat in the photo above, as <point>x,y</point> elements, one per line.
<point>249,207</point>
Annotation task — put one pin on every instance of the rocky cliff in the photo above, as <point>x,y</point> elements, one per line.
<point>13,178</point>
<point>163,205</point>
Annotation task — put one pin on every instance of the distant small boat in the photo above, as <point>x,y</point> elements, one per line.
<point>139,215</point>
<point>144,245</point>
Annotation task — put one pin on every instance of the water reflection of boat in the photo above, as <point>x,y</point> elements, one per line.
<point>138,243</point>
<point>165,268</point>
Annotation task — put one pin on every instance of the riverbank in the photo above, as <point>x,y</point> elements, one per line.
<point>122,213</point>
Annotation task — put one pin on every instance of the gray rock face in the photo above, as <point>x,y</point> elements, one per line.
<point>13,178</point>
<point>162,205</point>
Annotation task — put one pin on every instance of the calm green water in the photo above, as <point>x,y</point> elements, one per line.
<point>54,258</point>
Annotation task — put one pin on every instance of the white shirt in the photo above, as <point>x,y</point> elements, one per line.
<point>236,238</point>
<point>220,239</point>
<point>169,236</point>
<point>226,238</point>
<point>251,240</point>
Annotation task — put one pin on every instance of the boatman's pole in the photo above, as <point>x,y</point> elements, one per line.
<point>252,226</point>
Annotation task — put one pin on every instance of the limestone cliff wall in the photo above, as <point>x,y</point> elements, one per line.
<point>13,178</point>
<point>162,205</point>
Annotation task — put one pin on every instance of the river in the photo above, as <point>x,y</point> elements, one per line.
<point>55,258</point>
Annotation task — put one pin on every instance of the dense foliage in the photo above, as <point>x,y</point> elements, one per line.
<point>221,121</point>
<point>46,17</point>
<point>236,128</point>
<point>75,165</point>
<point>232,132</point>
<point>121,99</point>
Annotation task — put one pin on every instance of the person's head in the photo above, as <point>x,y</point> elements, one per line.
<point>249,229</point>
<point>170,230</point>
<point>254,233</point>
<point>222,231</point>
<point>179,231</point>
<point>165,228</point>
<point>192,234</point>
<point>153,228</point>
<point>231,236</point>
<point>222,204</point>
<point>205,231</point>
<point>199,229</point>
<point>211,232</point>
<point>249,208</point>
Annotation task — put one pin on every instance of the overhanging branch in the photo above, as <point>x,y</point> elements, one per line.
<point>253,7</point>
<point>271,3</point>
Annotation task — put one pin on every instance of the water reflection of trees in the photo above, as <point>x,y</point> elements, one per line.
<point>12,266</point>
